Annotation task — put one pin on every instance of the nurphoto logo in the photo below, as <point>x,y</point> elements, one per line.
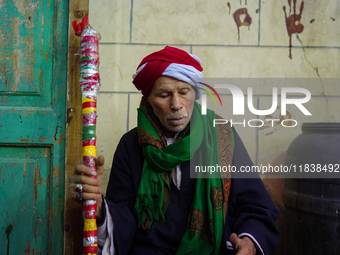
<point>239,104</point>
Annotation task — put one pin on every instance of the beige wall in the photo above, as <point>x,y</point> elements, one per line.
<point>131,29</point>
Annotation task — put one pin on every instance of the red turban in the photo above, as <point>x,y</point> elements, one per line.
<point>156,64</point>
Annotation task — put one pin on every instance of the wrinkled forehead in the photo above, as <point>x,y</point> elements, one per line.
<point>170,84</point>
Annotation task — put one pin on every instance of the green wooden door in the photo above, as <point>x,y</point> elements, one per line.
<point>33,77</point>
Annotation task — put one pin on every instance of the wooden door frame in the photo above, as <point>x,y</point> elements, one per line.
<point>73,152</point>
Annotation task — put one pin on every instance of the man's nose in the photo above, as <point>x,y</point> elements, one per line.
<point>176,102</point>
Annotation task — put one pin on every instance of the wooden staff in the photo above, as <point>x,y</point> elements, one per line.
<point>89,83</point>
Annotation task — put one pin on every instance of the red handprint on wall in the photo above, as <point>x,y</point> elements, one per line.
<point>293,22</point>
<point>246,22</point>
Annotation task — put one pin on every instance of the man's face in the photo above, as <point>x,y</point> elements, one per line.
<point>172,101</point>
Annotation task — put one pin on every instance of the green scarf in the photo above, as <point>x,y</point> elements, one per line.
<point>207,215</point>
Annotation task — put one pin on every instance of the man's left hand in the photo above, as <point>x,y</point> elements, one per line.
<point>242,246</point>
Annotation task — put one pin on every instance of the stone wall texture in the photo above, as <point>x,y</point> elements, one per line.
<point>234,39</point>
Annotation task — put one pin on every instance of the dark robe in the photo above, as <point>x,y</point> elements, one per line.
<point>250,208</point>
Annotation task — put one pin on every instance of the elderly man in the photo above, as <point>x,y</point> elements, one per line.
<point>152,206</point>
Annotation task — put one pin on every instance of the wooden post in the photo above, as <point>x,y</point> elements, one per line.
<point>73,222</point>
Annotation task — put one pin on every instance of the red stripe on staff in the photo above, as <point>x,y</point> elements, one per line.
<point>90,249</point>
<point>90,207</point>
<point>89,82</point>
<point>89,104</point>
<point>90,233</point>
<point>90,211</point>
<point>89,142</point>
<point>90,38</point>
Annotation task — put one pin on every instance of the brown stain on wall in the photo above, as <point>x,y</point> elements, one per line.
<point>312,20</point>
<point>26,7</point>
<point>46,181</point>
<point>57,201</point>
<point>246,22</point>
<point>42,139</point>
<point>14,222</point>
<point>15,56</point>
<point>35,182</point>
<point>27,251</point>
<point>26,140</point>
<point>29,112</point>
<point>228,4</point>
<point>35,234</point>
<point>25,170</point>
<point>47,153</point>
<point>46,55</point>
<point>56,171</point>
<point>5,97</point>
<point>51,211</point>
<point>23,48</point>
<point>60,138</point>
<point>332,19</point>
<point>293,22</point>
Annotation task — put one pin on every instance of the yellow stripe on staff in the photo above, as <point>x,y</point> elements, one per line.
<point>89,151</point>
<point>90,225</point>
<point>84,100</point>
<point>89,110</point>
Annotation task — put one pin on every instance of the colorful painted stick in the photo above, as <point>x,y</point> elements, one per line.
<point>89,83</point>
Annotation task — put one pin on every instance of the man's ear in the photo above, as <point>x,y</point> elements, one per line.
<point>148,100</point>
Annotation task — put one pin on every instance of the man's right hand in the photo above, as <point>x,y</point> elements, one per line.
<point>91,186</point>
<point>242,246</point>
